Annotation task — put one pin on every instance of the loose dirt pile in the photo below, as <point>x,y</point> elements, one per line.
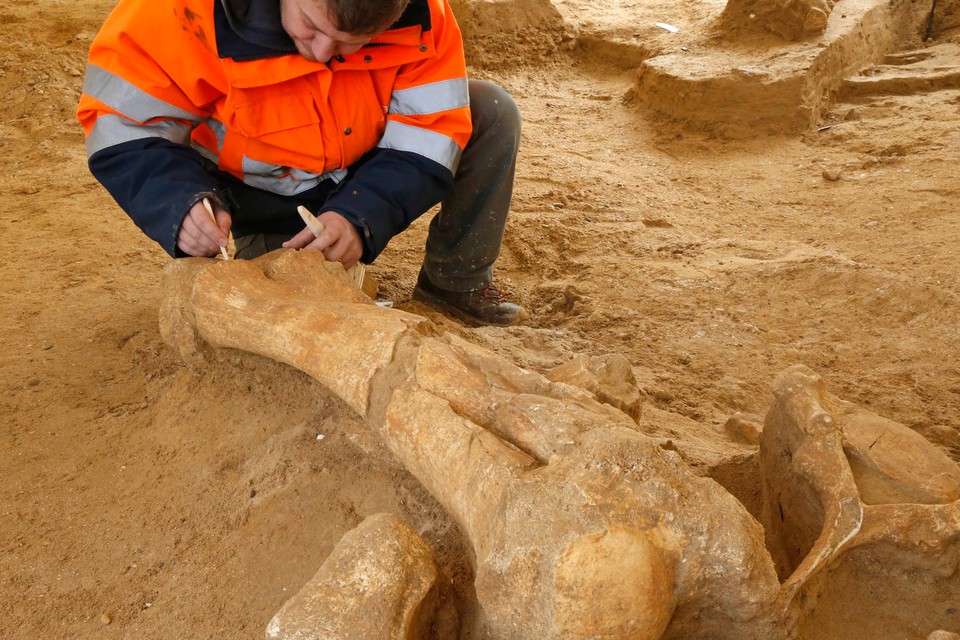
<point>145,497</point>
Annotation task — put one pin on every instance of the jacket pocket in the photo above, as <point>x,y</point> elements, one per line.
<point>279,136</point>
<point>278,113</point>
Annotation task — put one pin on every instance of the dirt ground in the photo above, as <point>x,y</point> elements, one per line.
<point>144,498</point>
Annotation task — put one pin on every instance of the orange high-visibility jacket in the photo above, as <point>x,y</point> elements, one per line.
<point>169,81</point>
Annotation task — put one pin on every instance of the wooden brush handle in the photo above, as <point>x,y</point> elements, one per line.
<point>213,217</point>
<point>310,220</point>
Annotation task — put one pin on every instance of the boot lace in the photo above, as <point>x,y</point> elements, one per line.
<point>491,292</point>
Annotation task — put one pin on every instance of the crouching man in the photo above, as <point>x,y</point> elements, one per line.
<point>360,110</point>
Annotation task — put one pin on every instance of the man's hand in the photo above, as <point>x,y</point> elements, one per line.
<point>339,242</point>
<point>199,236</point>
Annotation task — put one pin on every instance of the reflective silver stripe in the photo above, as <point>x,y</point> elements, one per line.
<point>284,180</point>
<point>430,98</point>
<point>219,129</point>
<point>220,132</point>
<point>109,130</point>
<point>430,144</point>
<point>125,98</point>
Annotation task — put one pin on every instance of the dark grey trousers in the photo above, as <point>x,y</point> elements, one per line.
<point>465,236</point>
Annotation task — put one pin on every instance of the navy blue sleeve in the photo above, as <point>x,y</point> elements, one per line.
<point>156,182</point>
<point>388,191</point>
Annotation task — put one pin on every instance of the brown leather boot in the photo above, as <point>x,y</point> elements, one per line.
<point>484,306</point>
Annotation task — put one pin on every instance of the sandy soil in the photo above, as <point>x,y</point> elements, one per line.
<point>141,497</point>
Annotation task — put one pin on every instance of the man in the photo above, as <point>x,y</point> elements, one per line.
<point>358,109</point>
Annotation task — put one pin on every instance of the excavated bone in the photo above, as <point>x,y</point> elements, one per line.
<point>609,378</point>
<point>790,19</point>
<point>266,306</point>
<point>580,526</point>
<point>379,583</point>
<point>843,486</point>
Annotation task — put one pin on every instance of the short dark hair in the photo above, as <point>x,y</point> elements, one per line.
<point>364,16</point>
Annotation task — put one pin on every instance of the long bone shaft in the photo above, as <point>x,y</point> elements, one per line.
<point>577,522</point>
<point>296,308</point>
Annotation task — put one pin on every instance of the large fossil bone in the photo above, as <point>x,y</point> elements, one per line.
<point>843,486</point>
<point>790,19</point>
<point>380,581</point>
<point>580,526</point>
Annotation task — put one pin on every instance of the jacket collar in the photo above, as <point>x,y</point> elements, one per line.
<point>251,29</point>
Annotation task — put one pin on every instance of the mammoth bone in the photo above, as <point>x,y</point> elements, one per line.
<point>579,525</point>
<point>790,19</point>
<point>851,496</point>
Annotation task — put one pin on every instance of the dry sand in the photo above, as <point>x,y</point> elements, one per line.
<point>144,498</point>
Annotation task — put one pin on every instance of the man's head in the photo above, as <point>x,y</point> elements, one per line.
<point>322,29</point>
